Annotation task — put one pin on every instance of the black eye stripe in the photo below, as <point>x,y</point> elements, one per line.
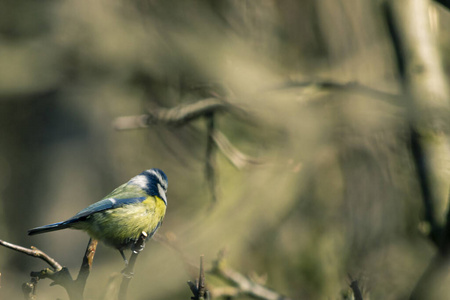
<point>159,176</point>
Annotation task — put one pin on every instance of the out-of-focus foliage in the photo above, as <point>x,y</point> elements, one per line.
<point>337,191</point>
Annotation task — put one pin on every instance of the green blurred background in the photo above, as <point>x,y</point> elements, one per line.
<point>336,191</point>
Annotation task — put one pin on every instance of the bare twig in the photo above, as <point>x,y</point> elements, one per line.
<point>178,115</point>
<point>33,252</point>
<point>317,86</point>
<point>210,161</point>
<point>131,122</point>
<point>429,197</point>
<point>201,280</point>
<point>128,272</point>
<point>183,114</point>
<point>354,285</point>
<point>60,275</point>
<point>237,158</point>
<point>62,278</point>
<point>445,246</point>
<point>29,289</point>
<point>198,289</point>
<point>248,287</point>
<point>243,285</point>
<point>86,264</point>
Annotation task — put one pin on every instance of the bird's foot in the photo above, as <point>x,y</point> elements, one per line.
<point>139,245</point>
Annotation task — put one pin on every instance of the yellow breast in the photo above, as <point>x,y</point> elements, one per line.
<point>119,227</point>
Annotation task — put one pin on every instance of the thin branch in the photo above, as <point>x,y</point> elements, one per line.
<point>60,275</point>
<point>128,272</point>
<point>179,115</point>
<point>33,252</point>
<point>29,289</point>
<point>237,158</point>
<point>62,278</point>
<point>243,284</point>
<point>424,85</point>
<point>354,285</point>
<point>131,122</point>
<point>210,161</point>
<point>183,114</point>
<point>428,196</point>
<point>201,280</point>
<point>312,87</point>
<point>86,264</point>
<point>445,246</point>
<point>198,289</point>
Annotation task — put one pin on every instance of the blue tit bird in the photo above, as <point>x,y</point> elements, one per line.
<point>119,219</point>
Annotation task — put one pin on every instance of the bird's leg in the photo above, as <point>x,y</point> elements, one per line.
<point>136,248</point>
<point>128,272</point>
<point>124,258</point>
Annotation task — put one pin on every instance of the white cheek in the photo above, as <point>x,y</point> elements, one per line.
<point>162,193</point>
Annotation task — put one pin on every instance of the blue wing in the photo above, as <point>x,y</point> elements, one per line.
<point>102,205</point>
<point>123,195</point>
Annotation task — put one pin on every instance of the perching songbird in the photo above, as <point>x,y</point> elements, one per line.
<point>119,219</point>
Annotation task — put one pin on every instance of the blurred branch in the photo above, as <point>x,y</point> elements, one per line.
<point>242,285</point>
<point>33,252</point>
<point>424,83</point>
<point>210,160</point>
<point>128,272</point>
<point>177,116</point>
<point>445,246</point>
<point>183,114</point>
<point>237,158</point>
<point>312,87</point>
<point>445,3</point>
<point>428,196</point>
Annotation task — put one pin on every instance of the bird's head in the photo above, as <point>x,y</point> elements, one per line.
<point>153,181</point>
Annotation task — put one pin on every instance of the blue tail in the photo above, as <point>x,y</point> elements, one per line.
<point>48,228</point>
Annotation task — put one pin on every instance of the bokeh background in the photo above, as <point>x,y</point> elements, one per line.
<point>334,191</point>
